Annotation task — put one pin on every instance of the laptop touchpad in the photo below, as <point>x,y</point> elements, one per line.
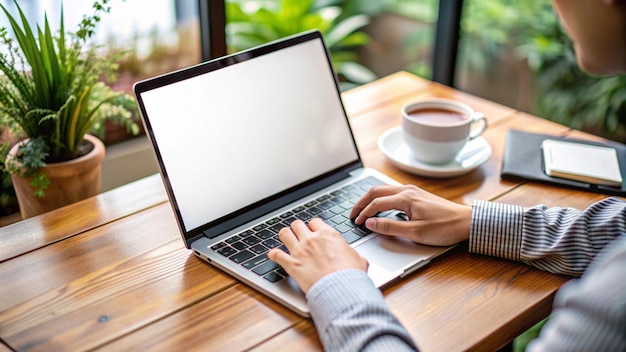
<point>394,253</point>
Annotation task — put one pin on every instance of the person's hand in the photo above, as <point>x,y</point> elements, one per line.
<point>315,251</point>
<point>432,220</point>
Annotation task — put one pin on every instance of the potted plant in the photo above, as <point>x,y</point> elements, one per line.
<point>9,209</point>
<point>52,94</point>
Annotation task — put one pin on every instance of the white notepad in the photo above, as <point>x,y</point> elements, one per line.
<point>581,162</point>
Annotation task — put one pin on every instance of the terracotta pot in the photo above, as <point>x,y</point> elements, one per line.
<point>70,181</point>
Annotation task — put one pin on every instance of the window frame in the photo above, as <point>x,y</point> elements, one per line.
<point>212,15</point>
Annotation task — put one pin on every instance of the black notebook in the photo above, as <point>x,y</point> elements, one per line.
<point>523,160</point>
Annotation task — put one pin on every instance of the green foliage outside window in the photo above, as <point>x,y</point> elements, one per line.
<point>251,23</point>
<point>563,93</point>
<point>570,96</point>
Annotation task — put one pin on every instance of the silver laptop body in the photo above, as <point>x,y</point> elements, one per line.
<point>248,142</point>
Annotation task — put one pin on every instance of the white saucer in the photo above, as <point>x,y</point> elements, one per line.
<point>475,153</point>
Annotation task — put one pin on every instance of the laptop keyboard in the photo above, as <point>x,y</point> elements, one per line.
<point>249,248</point>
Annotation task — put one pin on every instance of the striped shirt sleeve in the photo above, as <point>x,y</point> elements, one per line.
<point>350,314</point>
<point>557,240</point>
<point>589,313</point>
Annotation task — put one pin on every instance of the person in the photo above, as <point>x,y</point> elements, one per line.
<point>589,312</point>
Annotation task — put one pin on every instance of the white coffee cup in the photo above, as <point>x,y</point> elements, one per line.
<point>435,130</point>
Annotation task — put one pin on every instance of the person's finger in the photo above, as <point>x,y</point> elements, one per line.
<point>390,227</point>
<point>378,205</point>
<point>414,231</point>
<point>288,238</point>
<point>369,196</point>
<point>300,229</point>
<point>317,224</point>
<point>279,257</point>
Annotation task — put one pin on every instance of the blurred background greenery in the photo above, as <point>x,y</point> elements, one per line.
<point>511,51</point>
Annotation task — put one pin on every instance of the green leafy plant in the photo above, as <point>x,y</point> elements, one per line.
<point>562,91</point>
<point>52,92</point>
<point>271,20</point>
<point>8,198</point>
<point>568,95</point>
<point>489,27</point>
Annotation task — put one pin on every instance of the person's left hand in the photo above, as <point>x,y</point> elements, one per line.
<point>315,251</point>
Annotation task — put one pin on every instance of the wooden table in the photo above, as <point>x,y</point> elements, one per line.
<point>111,272</point>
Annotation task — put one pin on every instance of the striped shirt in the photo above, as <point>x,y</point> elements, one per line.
<point>589,313</point>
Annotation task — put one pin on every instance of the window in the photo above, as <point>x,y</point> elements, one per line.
<point>155,36</point>
<point>516,53</point>
<point>159,35</point>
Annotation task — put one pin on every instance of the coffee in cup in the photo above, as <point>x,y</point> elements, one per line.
<point>436,130</point>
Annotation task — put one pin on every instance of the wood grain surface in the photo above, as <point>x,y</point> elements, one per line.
<point>111,273</point>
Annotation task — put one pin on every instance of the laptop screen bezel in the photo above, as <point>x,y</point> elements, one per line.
<point>273,202</point>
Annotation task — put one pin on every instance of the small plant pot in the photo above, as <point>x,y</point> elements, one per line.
<point>70,181</point>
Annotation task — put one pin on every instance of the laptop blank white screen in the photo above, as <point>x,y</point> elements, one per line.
<point>239,134</point>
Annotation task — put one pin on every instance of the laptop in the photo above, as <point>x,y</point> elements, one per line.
<point>249,142</point>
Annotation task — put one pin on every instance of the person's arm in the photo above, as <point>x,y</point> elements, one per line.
<point>589,313</point>
<point>350,314</point>
<point>557,240</point>
<point>348,310</point>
